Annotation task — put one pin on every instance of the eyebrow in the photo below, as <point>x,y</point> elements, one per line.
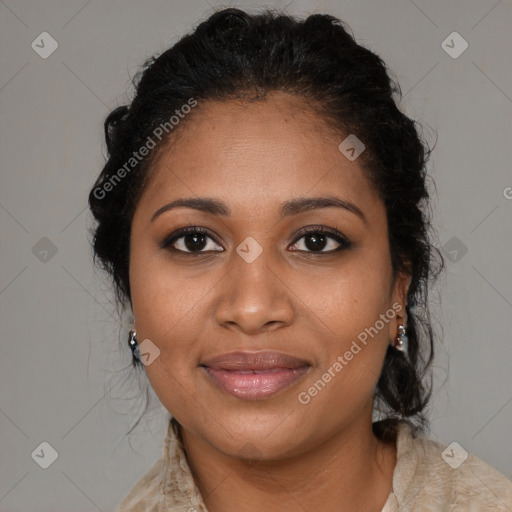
<point>288,208</point>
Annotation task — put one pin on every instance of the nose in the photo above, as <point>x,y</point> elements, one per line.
<point>254,297</point>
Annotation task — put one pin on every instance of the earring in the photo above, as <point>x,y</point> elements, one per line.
<point>401,340</point>
<point>132,342</point>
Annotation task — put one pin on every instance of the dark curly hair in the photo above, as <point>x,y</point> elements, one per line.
<point>234,55</point>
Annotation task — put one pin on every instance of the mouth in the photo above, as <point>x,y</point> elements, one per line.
<point>255,375</point>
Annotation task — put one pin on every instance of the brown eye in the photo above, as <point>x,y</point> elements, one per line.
<point>191,240</point>
<point>319,239</point>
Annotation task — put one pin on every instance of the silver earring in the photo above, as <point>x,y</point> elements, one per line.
<point>401,342</point>
<point>132,342</point>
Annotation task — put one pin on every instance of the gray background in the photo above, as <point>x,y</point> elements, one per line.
<point>64,378</point>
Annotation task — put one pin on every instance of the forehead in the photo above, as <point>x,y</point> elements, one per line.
<point>260,151</point>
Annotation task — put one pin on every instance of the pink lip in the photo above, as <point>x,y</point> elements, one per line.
<point>255,375</point>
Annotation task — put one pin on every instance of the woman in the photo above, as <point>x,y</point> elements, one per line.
<point>263,213</point>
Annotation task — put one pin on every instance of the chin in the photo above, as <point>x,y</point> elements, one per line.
<point>259,436</point>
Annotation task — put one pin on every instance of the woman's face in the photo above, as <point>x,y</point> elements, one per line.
<point>250,285</point>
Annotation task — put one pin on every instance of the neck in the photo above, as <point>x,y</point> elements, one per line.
<point>350,471</point>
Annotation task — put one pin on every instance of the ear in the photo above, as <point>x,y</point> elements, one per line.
<point>401,288</point>
<point>398,303</point>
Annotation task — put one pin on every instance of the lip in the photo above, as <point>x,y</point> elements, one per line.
<point>260,360</point>
<point>255,375</point>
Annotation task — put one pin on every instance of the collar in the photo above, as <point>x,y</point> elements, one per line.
<point>180,492</point>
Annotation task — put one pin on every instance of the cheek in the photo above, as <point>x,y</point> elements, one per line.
<point>344,382</point>
<point>162,294</point>
<point>349,308</point>
<point>352,297</point>
<point>166,306</point>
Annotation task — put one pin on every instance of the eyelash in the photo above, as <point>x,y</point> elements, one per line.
<point>344,242</point>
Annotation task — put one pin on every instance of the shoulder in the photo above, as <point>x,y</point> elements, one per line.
<point>434,476</point>
<point>145,496</point>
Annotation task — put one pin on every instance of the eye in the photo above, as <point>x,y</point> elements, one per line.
<point>320,238</point>
<point>316,239</point>
<point>195,239</point>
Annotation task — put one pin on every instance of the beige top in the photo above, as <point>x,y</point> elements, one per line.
<point>428,476</point>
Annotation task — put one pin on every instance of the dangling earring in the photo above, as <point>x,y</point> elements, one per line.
<point>132,342</point>
<point>401,341</point>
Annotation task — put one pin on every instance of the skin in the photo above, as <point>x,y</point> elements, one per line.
<point>274,454</point>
